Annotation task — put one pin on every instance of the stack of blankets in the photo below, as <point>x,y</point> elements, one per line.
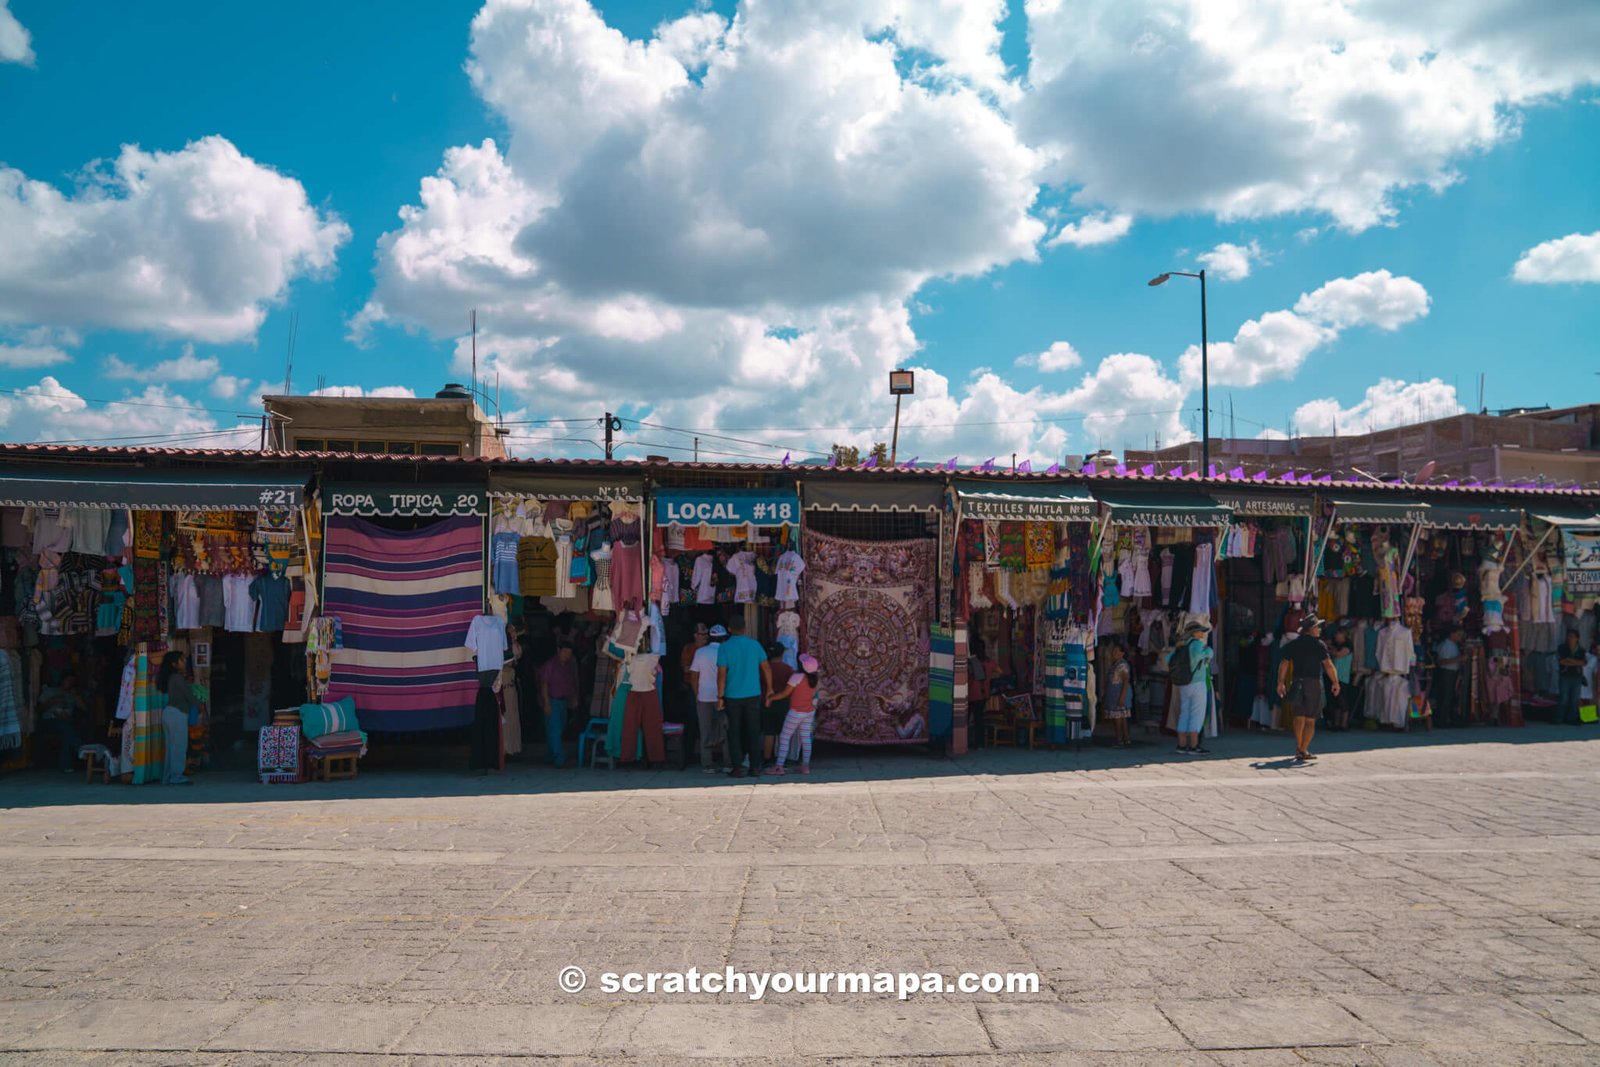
<point>331,729</point>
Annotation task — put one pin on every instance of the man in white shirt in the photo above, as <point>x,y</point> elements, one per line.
<point>705,678</point>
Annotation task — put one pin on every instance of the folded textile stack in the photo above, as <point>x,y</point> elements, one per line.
<point>344,741</point>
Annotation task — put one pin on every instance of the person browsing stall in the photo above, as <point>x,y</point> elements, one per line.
<point>1189,664</point>
<point>179,693</point>
<point>705,678</point>
<point>1305,662</point>
<point>744,666</point>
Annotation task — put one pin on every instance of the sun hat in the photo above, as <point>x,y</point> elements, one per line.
<point>1197,626</point>
<point>808,664</point>
<point>1309,622</point>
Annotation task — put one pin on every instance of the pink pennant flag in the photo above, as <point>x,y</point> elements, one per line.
<point>1026,467</point>
<point>951,465</point>
<point>1237,472</point>
<point>833,460</point>
<point>1055,468</point>
<point>872,461</point>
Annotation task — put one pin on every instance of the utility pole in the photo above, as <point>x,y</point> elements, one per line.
<point>697,450</point>
<point>608,435</point>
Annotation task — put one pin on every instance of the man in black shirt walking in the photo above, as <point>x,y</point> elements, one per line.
<point>1299,684</point>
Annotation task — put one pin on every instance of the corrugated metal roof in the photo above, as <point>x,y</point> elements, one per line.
<point>1273,483</point>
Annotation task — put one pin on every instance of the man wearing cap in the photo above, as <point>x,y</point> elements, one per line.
<point>706,679</point>
<point>1192,693</point>
<point>1305,660</point>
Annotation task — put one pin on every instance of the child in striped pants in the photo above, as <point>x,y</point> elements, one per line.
<point>802,694</point>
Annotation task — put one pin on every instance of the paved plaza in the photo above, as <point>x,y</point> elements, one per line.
<point>1407,900</point>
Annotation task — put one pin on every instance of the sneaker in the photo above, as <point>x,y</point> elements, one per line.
<point>1300,757</point>
<point>1199,751</point>
<point>709,770</point>
<point>805,768</point>
<point>740,772</point>
<point>1308,755</point>
<point>775,770</point>
<point>1185,751</point>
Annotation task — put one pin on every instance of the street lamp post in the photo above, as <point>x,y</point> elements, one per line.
<point>1205,370</point>
<point>901,383</point>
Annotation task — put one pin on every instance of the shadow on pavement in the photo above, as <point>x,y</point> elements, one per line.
<point>1266,752</point>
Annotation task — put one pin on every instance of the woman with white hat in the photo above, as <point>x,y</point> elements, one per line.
<point>1189,667</point>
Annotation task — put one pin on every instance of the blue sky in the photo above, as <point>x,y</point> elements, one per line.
<point>612,271</point>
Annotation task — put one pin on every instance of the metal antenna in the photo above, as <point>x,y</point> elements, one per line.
<point>474,351</point>
<point>288,362</point>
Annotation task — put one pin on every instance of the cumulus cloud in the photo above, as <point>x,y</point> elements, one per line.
<point>1275,346</point>
<point>50,412</point>
<point>1389,403</point>
<point>356,390</point>
<point>187,367</point>
<point>1328,106</point>
<point>1230,262</point>
<point>1058,357</point>
<point>16,44</point>
<point>1573,258</point>
<point>1376,298</point>
<point>193,243</point>
<point>26,355</point>
<point>708,224</point>
<point>1098,228</point>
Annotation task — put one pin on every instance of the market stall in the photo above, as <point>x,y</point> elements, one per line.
<point>107,569</point>
<point>568,555</point>
<point>1159,574</point>
<point>870,615</point>
<point>403,593</point>
<point>1264,557</point>
<point>1025,585</point>
<point>1556,585</point>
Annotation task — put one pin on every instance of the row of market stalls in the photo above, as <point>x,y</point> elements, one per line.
<point>932,600</point>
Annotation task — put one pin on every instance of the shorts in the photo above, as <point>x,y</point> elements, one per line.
<point>1304,699</point>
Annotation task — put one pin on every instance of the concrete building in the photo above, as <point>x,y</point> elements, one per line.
<point>449,423</point>
<point>1560,446</point>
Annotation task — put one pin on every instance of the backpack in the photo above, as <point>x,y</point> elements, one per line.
<point>1181,666</point>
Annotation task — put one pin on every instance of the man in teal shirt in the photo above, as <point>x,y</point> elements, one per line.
<point>743,665</point>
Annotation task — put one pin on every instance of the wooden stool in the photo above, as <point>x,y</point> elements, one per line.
<point>336,766</point>
<point>96,761</point>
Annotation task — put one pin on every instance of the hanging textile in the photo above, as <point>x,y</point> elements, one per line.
<point>149,750</point>
<point>404,601</point>
<point>1055,694</point>
<point>941,682</point>
<point>869,604</point>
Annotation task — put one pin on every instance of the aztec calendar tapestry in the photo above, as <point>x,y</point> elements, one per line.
<point>868,609</point>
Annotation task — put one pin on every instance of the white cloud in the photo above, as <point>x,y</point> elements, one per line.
<point>1283,106</point>
<point>193,243</point>
<point>782,186</point>
<point>1275,346</point>
<point>16,45</point>
<point>26,355</point>
<point>227,386</point>
<point>1058,357</point>
<point>1098,228</point>
<point>187,367</point>
<point>1376,298</point>
<point>50,412</point>
<point>356,390</point>
<point>1573,258</point>
<point>1389,403</point>
<point>1230,262</point>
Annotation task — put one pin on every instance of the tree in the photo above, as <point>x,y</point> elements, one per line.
<point>847,455</point>
<point>880,452</point>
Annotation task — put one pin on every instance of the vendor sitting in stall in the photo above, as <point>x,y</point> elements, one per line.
<point>61,711</point>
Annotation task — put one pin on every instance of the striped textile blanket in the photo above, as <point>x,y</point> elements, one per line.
<point>405,600</point>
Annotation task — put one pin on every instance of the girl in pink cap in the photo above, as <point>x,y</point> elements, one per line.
<point>802,694</point>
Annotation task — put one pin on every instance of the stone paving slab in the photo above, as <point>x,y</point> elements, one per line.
<point>1465,1020</point>
<point>1269,1022</point>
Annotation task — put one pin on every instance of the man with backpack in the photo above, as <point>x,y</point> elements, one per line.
<point>1189,668</point>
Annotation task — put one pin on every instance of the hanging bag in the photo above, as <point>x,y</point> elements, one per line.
<point>1180,668</point>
